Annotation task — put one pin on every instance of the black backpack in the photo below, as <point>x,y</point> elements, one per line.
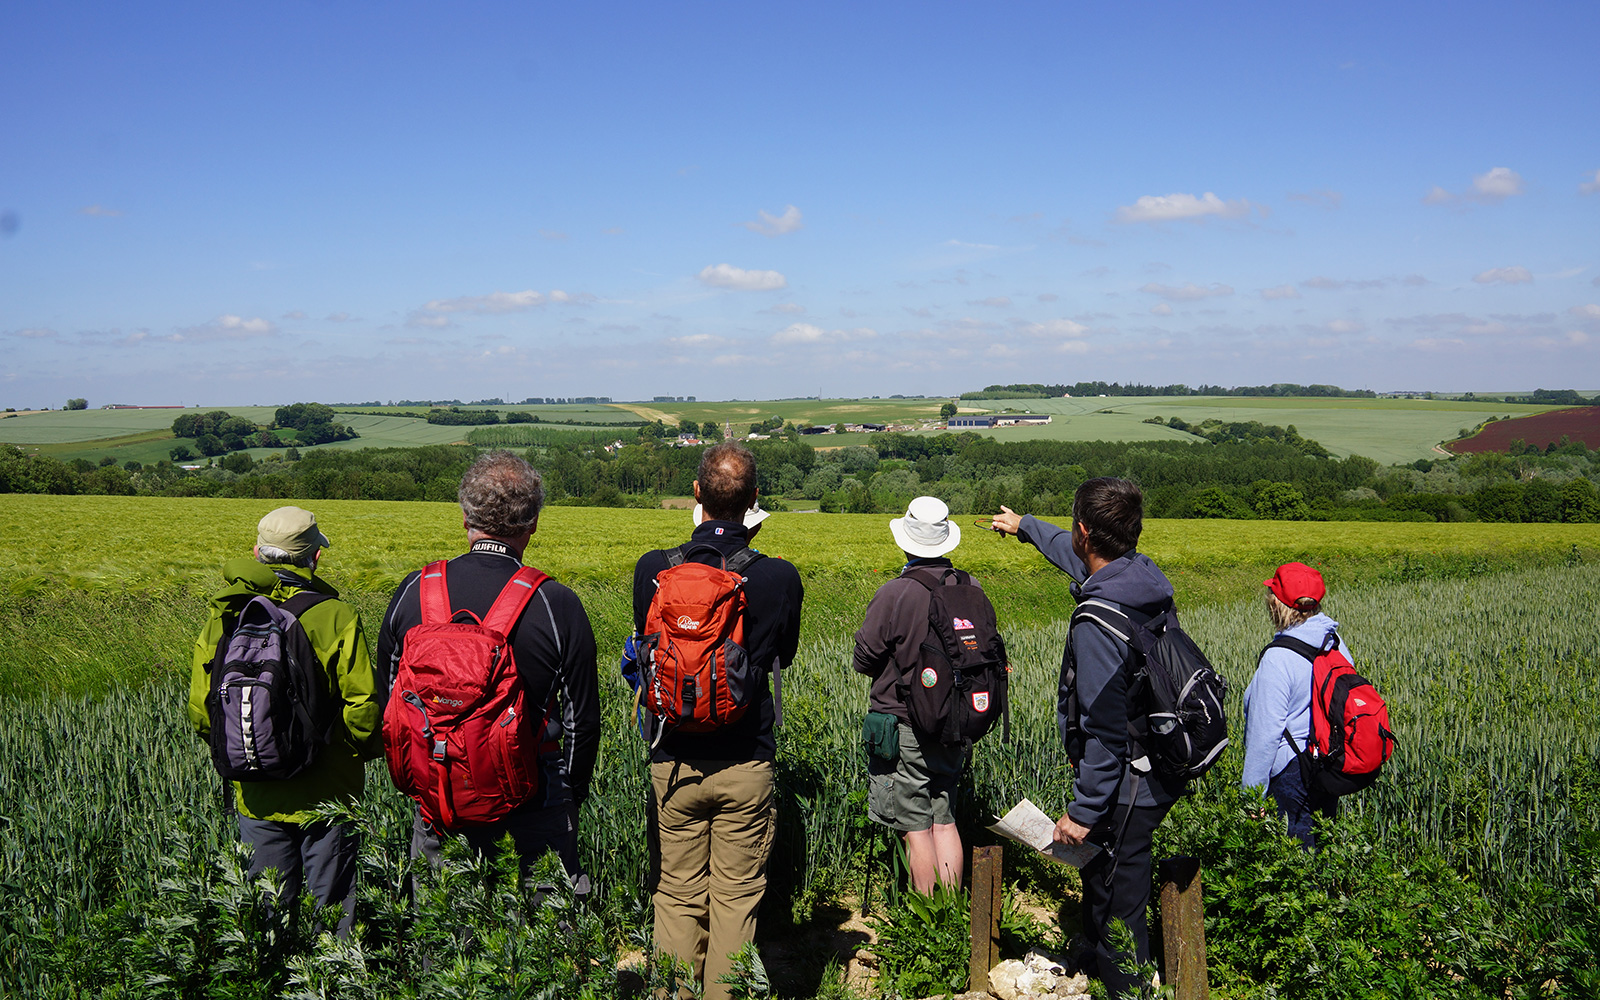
<point>269,704</point>
<point>958,690</point>
<point>1175,697</point>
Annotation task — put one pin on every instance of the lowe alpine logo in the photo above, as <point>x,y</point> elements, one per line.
<point>930,677</point>
<point>685,622</point>
<point>961,623</point>
<point>980,701</point>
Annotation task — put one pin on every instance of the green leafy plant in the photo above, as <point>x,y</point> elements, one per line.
<point>923,943</point>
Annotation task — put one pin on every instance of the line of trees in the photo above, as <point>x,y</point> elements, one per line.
<point>1249,471</point>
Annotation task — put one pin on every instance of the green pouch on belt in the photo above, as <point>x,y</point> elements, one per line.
<point>880,734</point>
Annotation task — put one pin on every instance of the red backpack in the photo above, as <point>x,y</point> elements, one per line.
<point>457,732</point>
<point>696,676</point>
<point>1350,738</point>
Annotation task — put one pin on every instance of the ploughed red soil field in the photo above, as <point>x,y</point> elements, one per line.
<point>1579,423</point>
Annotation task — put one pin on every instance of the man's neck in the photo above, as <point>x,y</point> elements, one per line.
<point>478,541</point>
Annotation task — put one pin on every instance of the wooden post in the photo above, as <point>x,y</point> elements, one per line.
<point>1183,928</point>
<point>987,865</point>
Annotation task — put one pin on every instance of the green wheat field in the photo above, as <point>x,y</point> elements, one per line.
<point>1482,637</point>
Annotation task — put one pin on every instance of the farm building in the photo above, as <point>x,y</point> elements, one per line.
<point>998,420</point>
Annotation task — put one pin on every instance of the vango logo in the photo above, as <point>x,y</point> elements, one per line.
<point>685,622</point>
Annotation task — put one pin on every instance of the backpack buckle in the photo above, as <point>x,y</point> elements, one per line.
<point>439,750</point>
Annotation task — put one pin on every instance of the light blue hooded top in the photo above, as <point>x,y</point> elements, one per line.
<point>1279,697</point>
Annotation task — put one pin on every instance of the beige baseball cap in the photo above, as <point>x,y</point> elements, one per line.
<point>292,529</point>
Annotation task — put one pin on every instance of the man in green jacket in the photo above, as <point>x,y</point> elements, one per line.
<point>278,818</point>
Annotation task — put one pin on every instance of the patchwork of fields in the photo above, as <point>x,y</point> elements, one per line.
<point>1388,430</point>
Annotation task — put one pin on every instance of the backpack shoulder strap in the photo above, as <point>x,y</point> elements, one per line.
<point>744,559</point>
<point>433,593</point>
<point>676,556</point>
<point>1294,645</point>
<point>303,601</point>
<point>928,575</point>
<point>514,596</point>
<point>1108,616</point>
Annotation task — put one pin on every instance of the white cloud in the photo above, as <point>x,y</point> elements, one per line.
<point>612,231</point>
<point>553,234</point>
<point>1591,185</point>
<point>996,301</point>
<point>1505,276</point>
<point>1281,292</point>
<point>787,308</point>
<point>341,317</point>
<point>227,327</point>
<point>100,210</point>
<point>737,278</point>
<point>1053,328</point>
<point>1186,293</point>
<point>493,304</point>
<point>295,315</point>
<point>1336,284</point>
<point>1161,309</point>
<point>1166,208</point>
<point>1323,198</point>
<point>768,224</point>
<point>806,333</point>
<point>34,333</point>
<point>1346,326</point>
<point>1496,185</point>
<point>969,246</point>
<point>1590,311</point>
<point>571,298</point>
<point>1048,296</point>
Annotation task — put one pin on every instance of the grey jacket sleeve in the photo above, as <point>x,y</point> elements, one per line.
<point>1103,700</point>
<point>1055,544</point>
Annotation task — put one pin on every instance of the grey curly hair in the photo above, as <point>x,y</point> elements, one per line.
<point>501,495</point>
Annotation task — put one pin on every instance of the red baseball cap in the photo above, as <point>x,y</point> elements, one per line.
<point>1295,580</point>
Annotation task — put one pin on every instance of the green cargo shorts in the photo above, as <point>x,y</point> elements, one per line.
<point>918,789</point>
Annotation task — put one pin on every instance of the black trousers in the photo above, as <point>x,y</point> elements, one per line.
<point>1120,890</point>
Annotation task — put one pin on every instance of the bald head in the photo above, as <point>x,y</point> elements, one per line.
<point>725,483</point>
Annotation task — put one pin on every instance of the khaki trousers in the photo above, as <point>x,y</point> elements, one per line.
<point>715,823</point>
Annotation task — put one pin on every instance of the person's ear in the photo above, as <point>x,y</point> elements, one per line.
<point>697,491</point>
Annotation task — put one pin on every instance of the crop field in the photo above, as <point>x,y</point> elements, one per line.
<point>807,411</point>
<point>1481,637</point>
<point>1577,423</point>
<point>1388,430</point>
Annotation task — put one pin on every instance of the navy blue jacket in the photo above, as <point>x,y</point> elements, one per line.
<point>1137,586</point>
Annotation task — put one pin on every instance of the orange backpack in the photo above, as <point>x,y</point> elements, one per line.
<point>696,675</point>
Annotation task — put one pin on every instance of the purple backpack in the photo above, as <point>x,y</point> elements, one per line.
<point>269,704</point>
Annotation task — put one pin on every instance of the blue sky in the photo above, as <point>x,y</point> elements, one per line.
<point>238,203</point>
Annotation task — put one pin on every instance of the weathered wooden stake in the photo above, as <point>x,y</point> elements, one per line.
<point>1183,927</point>
<point>987,866</point>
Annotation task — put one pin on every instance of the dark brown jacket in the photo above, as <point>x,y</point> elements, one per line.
<point>889,641</point>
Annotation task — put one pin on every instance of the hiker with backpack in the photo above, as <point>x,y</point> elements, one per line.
<point>1305,678</point>
<point>931,645</point>
<point>493,717</point>
<point>1125,779</point>
<point>281,688</point>
<point>714,624</point>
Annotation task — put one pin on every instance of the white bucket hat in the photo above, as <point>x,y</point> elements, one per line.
<point>752,517</point>
<point>926,531</point>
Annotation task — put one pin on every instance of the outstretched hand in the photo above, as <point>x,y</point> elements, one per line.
<point>1007,522</point>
